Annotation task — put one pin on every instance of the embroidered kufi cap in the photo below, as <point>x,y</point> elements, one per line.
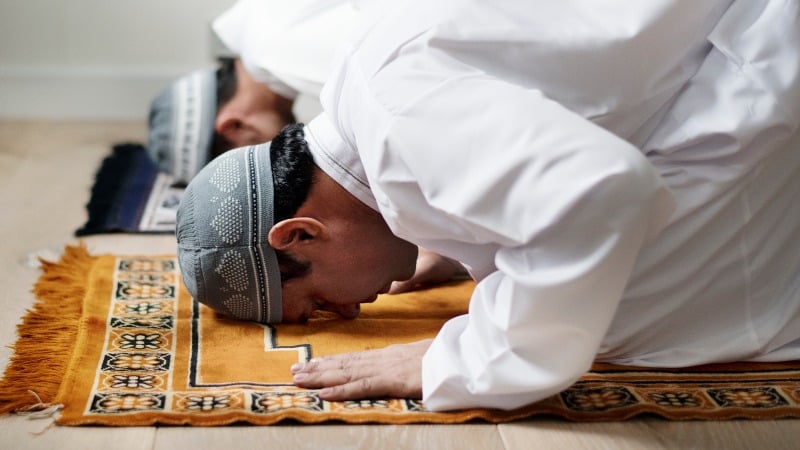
<point>223,222</point>
<point>181,125</point>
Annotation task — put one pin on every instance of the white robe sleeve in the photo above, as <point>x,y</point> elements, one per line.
<point>288,45</point>
<point>566,204</point>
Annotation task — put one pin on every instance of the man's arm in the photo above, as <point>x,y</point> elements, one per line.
<point>567,204</point>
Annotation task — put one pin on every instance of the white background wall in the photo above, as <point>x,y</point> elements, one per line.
<point>98,59</point>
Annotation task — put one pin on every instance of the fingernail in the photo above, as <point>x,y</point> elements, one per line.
<point>296,367</point>
<point>325,392</point>
<point>299,377</point>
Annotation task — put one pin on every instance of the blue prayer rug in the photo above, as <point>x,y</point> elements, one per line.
<point>130,195</point>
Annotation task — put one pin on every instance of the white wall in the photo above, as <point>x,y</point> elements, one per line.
<point>98,59</point>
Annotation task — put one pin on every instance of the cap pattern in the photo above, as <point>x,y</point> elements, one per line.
<point>228,221</point>
<point>232,269</point>
<point>237,305</point>
<point>223,223</point>
<point>181,125</point>
<point>227,176</point>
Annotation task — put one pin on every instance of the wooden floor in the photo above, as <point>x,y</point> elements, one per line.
<point>46,171</point>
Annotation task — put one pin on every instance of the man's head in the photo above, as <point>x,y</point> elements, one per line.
<point>208,112</point>
<point>265,235</point>
<point>249,111</point>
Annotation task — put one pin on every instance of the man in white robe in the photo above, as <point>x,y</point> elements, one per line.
<point>280,49</point>
<point>621,179</point>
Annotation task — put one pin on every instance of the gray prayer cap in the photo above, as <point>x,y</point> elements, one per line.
<point>223,222</point>
<point>181,125</point>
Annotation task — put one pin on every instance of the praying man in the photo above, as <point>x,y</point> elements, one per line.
<point>621,181</point>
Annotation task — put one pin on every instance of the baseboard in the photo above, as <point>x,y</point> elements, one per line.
<point>95,93</point>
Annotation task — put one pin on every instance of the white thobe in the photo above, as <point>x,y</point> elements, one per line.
<point>289,45</point>
<point>622,180</point>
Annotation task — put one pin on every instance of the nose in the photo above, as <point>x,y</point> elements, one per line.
<point>350,311</point>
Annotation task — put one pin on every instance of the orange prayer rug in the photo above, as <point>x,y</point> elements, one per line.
<point>116,340</point>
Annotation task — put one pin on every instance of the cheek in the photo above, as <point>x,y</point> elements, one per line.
<point>294,303</point>
<point>403,259</point>
<point>352,277</point>
<point>348,280</point>
<point>379,268</point>
<point>290,313</point>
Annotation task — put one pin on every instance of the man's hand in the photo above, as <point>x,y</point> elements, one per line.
<point>432,268</point>
<point>394,371</point>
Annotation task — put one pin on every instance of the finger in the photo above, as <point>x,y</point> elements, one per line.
<point>359,389</point>
<point>308,366</point>
<point>398,287</point>
<point>339,369</point>
<point>421,277</point>
<point>333,372</point>
<point>420,274</point>
<point>431,269</point>
<point>314,380</point>
<point>331,362</point>
<point>371,387</point>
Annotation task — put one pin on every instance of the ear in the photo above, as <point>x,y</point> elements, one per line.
<point>228,126</point>
<point>235,128</point>
<point>292,234</point>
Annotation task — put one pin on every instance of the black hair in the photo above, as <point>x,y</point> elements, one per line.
<point>292,177</point>
<point>226,87</point>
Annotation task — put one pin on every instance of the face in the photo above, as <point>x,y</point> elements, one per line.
<point>254,114</point>
<point>262,124</point>
<point>351,270</point>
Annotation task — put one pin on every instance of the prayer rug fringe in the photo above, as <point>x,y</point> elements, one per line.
<point>116,340</point>
<point>47,334</point>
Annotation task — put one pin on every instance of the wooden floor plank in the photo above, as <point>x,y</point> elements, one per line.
<point>19,433</point>
<point>653,434</point>
<point>334,436</point>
